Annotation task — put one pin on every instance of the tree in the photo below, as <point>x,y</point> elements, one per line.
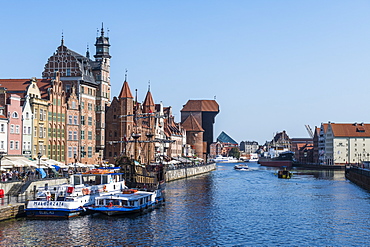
<point>234,152</point>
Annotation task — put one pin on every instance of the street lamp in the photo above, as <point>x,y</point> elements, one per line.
<point>39,155</point>
<point>1,157</point>
<point>75,156</point>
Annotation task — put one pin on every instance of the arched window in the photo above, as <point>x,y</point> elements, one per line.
<point>15,115</point>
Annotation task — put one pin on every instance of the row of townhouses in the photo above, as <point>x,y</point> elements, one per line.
<point>68,115</point>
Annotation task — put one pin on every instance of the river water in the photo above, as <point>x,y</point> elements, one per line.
<point>225,207</point>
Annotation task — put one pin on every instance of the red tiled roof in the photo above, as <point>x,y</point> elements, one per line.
<point>125,91</point>
<point>19,86</point>
<point>191,124</point>
<point>201,105</point>
<point>350,130</point>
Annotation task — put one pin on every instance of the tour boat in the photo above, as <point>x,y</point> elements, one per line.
<point>126,202</point>
<point>253,157</point>
<point>222,159</point>
<point>241,167</point>
<point>69,200</point>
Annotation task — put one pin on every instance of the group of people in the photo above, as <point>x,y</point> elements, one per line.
<point>15,175</point>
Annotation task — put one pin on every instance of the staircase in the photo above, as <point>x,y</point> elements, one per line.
<point>14,190</point>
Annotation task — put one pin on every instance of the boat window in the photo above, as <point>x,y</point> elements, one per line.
<point>124,203</point>
<point>76,180</point>
<point>105,179</point>
<point>89,180</point>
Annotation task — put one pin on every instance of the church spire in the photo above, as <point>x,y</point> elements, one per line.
<point>88,52</point>
<point>102,46</point>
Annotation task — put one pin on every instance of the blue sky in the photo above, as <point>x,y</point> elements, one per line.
<point>271,65</point>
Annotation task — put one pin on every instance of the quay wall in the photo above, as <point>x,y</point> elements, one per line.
<point>6,186</point>
<point>186,172</point>
<point>12,211</point>
<point>359,176</point>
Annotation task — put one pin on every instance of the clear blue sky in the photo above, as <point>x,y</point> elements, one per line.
<point>272,65</point>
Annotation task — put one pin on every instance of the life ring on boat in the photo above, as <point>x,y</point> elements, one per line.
<point>48,198</point>
<point>110,204</point>
<point>105,187</point>
<point>85,191</point>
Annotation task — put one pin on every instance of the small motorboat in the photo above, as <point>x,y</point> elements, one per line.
<point>284,173</point>
<point>241,167</point>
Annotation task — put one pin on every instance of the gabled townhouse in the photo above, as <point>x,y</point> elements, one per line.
<point>14,114</point>
<point>347,143</point>
<point>74,134</point>
<point>27,122</point>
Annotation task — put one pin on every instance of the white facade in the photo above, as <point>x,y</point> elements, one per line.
<point>27,118</point>
<point>3,133</point>
<point>341,150</point>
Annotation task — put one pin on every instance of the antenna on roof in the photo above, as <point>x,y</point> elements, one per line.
<point>88,52</point>
<point>126,75</point>
<point>149,86</point>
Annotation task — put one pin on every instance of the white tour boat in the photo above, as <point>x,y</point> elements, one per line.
<point>69,200</point>
<point>127,202</point>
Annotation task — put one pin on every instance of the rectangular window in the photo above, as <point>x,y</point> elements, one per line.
<point>11,145</point>
<point>68,74</point>
<point>41,132</point>
<point>12,128</point>
<point>24,145</point>
<point>29,131</point>
<point>75,152</point>
<point>2,128</point>
<point>89,121</point>
<point>29,146</point>
<point>89,135</point>
<point>17,145</point>
<point>89,152</point>
<point>75,120</point>
<point>82,105</point>
<point>69,135</point>
<point>24,130</point>
<point>82,152</point>
<point>2,145</point>
<point>17,129</point>
<point>69,152</point>
<point>75,135</point>
<point>82,135</point>
<point>82,120</point>
<point>41,114</point>
<point>69,119</point>
<point>82,89</point>
<point>89,106</point>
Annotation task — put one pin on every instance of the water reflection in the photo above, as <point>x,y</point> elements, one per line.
<point>222,208</point>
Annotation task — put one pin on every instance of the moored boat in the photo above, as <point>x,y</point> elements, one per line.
<point>127,202</point>
<point>284,159</point>
<point>70,200</point>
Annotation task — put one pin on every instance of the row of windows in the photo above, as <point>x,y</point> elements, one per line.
<point>73,151</point>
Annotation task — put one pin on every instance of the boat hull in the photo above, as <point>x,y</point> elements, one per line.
<point>276,163</point>
<point>53,213</point>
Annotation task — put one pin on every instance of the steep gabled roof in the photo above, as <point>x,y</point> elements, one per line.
<point>225,138</point>
<point>125,91</point>
<point>350,130</point>
<point>148,99</point>
<point>191,124</point>
<point>201,105</point>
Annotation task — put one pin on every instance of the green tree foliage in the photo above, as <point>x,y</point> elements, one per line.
<point>234,152</point>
